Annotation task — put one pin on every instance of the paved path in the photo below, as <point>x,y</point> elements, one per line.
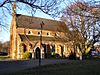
<point>17,65</point>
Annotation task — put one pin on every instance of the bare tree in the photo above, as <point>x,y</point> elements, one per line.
<point>50,7</point>
<point>83,18</point>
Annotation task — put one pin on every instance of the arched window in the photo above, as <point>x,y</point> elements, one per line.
<point>29,32</point>
<point>47,33</point>
<point>38,33</point>
<point>24,48</point>
<point>55,34</point>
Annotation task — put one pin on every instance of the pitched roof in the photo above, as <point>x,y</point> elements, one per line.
<point>30,22</point>
<point>36,38</point>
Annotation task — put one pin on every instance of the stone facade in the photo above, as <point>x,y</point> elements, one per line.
<point>27,35</point>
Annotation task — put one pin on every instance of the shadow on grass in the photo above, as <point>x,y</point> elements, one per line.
<point>73,67</point>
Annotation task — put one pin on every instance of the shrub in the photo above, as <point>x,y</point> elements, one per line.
<point>26,55</point>
<point>48,55</point>
<point>72,56</point>
<point>55,55</point>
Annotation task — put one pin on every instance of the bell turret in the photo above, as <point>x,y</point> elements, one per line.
<point>14,9</point>
<point>13,32</point>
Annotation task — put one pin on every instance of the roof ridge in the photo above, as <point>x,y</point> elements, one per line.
<point>38,17</point>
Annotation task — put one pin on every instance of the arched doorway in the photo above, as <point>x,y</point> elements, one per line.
<point>37,52</point>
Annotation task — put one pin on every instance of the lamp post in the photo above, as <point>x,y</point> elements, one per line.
<point>41,24</point>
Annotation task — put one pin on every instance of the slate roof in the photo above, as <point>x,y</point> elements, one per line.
<point>36,38</point>
<point>30,22</point>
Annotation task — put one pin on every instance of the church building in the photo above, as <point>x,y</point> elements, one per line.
<point>31,34</point>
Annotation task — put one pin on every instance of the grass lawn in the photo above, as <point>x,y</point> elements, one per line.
<point>72,67</point>
<point>4,57</point>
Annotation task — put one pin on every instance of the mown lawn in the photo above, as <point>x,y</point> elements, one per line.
<point>74,67</point>
<point>4,57</point>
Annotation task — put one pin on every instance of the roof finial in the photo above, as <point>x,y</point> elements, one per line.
<point>14,8</point>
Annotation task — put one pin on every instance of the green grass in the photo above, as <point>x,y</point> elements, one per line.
<point>74,67</point>
<point>4,57</point>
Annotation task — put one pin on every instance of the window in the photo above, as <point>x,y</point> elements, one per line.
<point>55,34</point>
<point>38,33</point>
<point>29,32</point>
<point>47,33</point>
